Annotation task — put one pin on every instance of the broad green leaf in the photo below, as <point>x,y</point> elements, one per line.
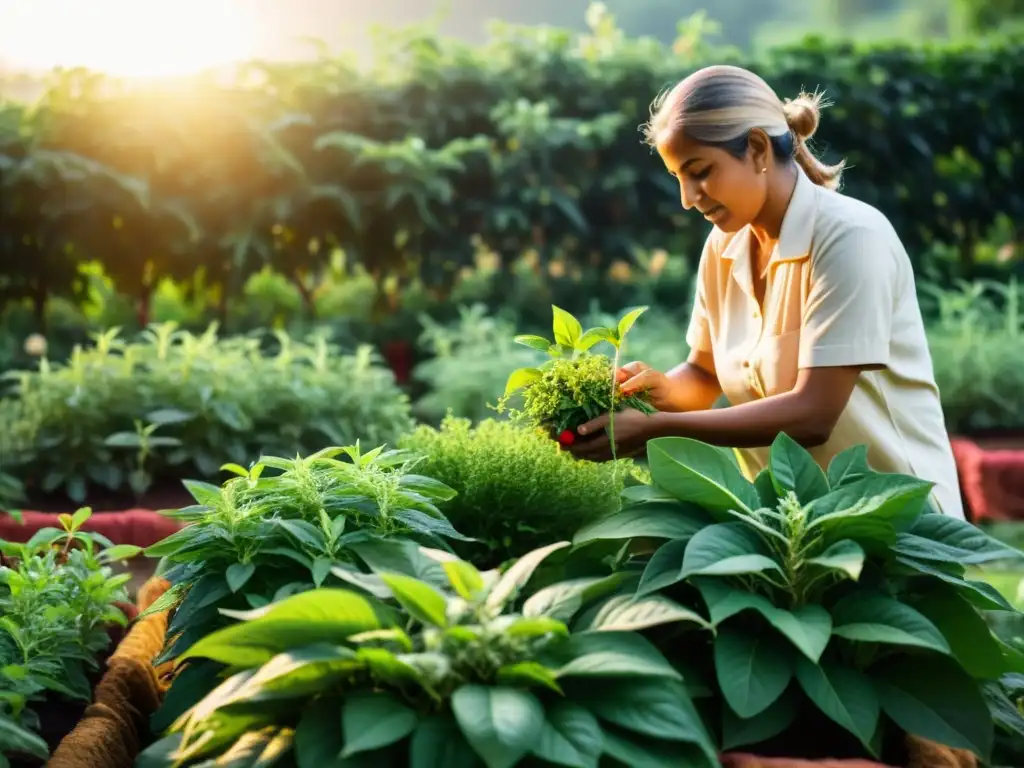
<point>844,694</point>
<point>625,613</point>
<point>876,618</point>
<point>566,327</point>
<point>259,749</point>
<point>120,552</point>
<point>371,720</point>
<point>639,752</point>
<point>595,336</point>
<point>656,708</point>
<point>526,674</point>
<point>323,615</point>
<point>665,567</point>
<point>318,740</point>
<point>501,724</point>
<point>967,633</point>
<point>421,600</point>
<point>808,627</point>
<point>893,499</point>
<point>627,321</point>
<point>740,732</point>
<point>321,568</point>
<point>80,517</point>
<point>934,698</point>
<point>571,736</point>
<point>848,465</point>
<point>564,599</point>
<point>521,378</point>
<point>752,669</point>
<point>978,593</point>
<point>765,488</point>
<point>844,556</point>
<point>534,342</point>
<point>400,556</point>
<point>652,520</point>
<point>16,739</point>
<point>438,743</point>
<point>727,549</point>
<point>700,474</point>
<point>465,579</point>
<point>793,469</point>
<point>949,539</point>
<point>1004,711</point>
<point>519,573</point>
<point>609,654</point>
<point>238,574</point>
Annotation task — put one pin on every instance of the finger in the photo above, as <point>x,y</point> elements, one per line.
<point>597,448</point>
<point>635,367</point>
<point>644,380</point>
<point>593,425</point>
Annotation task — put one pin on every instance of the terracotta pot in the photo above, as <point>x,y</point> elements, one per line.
<point>991,477</point>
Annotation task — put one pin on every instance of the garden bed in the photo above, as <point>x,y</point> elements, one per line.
<point>139,527</point>
<point>991,470</point>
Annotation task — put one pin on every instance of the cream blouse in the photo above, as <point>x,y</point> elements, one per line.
<point>839,292</point>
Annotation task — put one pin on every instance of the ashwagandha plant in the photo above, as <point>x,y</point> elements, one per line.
<point>574,385</point>
<point>282,527</point>
<point>58,599</point>
<point>837,595</point>
<point>438,671</point>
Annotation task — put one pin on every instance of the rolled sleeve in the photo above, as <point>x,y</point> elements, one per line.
<point>847,316</point>
<point>698,334</point>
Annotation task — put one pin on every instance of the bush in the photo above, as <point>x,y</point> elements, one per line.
<point>535,150</point>
<point>515,486</point>
<point>837,598</point>
<point>122,415</point>
<point>58,602</point>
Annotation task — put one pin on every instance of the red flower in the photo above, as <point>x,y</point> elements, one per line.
<point>568,437</point>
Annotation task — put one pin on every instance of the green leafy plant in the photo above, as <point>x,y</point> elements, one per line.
<point>434,669</point>
<point>282,527</point>
<point>467,364</point>
<point>834,595</point>
<point>574,385</point>
<point>212,397</point>
<point>515,489</point>
<point>58,599</point>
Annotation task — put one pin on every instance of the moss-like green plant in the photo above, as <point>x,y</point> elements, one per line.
<point>516,488</point>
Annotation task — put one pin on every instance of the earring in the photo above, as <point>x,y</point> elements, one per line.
<point>764,170</point>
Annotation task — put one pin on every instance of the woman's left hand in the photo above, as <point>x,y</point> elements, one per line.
<point>631,427</point>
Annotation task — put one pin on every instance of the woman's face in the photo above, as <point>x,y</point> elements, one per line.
<point>729,191</point>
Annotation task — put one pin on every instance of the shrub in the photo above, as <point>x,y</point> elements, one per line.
<point>468,365</point>
<point>57,602</point>
<point>173,405</point>
<point>516,488</point>
<point>281,527</point>
<point>435,667</point>
<point>837,596</point>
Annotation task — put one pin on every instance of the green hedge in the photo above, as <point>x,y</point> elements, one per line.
<point>528,143</point>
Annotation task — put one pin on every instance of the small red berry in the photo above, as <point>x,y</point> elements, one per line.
<point>567,437</point>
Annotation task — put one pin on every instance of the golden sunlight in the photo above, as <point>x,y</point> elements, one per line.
<point>126,38</point>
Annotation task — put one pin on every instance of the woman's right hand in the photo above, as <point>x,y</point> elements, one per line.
<point>639,378</point>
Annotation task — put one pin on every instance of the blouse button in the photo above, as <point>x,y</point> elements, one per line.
<point>746,363</point>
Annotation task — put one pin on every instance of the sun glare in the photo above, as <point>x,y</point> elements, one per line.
<point>126,38</point>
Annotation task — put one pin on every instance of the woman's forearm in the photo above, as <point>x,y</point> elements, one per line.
<point>749,425</point>
<point>693,388</point>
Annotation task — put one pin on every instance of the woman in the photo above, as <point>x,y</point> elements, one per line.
<point>805,314</point>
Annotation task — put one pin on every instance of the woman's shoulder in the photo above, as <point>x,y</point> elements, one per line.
<point>842,222</point>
